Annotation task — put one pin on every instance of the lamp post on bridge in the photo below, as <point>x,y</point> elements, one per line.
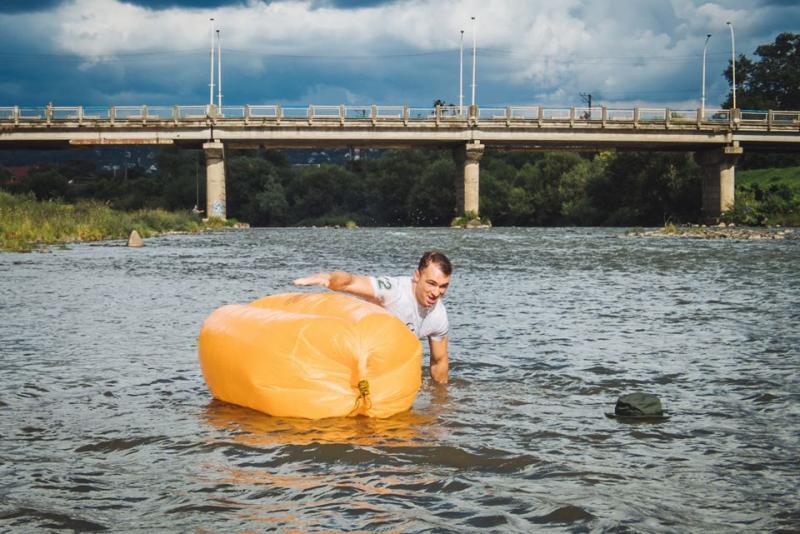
<point>219,72</point>
<point>211,77</point>
<point>474,54</point>
<point>733,65</point>
<point>461,76</point>
<point>703,89</point>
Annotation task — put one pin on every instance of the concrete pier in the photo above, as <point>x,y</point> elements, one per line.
<point>215,179</point>
<point>719,179</point>
<point>468,159</point>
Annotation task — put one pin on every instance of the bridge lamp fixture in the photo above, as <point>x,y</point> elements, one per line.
<point>703,89</point>
<point>733,65</point>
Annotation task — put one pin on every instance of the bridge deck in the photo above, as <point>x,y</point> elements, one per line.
<point>385,126</point>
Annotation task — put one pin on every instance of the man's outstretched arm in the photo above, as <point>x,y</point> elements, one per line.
<point>354,284</point>
<point>439,361</point>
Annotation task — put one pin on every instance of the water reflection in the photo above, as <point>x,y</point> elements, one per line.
<point>253,428</point>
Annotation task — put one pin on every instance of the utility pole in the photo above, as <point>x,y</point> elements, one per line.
<point>587,98</point>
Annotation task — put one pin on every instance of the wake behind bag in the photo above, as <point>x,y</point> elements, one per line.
<point>311,355</point>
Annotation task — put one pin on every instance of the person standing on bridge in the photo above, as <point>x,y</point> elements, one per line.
<point>416,300</point>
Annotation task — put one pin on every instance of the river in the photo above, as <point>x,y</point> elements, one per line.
<point>106,422</point>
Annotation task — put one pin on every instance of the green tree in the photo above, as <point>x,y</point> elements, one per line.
<point>388,181</point>
<point>327,191</point>
<point>273,208</point>
<point>46,182</point>
<point>181,173</point>
<point>772,80</point>
<point>432,196</point>
<point>649,189</point>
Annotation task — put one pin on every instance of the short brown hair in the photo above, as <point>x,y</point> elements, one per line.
<point>436,257</point>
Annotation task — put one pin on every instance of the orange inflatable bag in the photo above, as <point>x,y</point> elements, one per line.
<point>311,355</point>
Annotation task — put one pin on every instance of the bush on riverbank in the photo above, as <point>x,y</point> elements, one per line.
<point>26,222</point>
<point>766,197</point>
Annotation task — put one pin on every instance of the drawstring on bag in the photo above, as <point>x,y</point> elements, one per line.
<point>363,390</point>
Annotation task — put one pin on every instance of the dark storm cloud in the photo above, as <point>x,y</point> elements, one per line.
<point>186,4</point>
<point>24,6</point>
<point>352,4</point>
<point>199,4</point>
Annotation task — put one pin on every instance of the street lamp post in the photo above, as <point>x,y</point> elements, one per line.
<point>703,90</point>
<point>219,72</point>
<point>733,65</point>
<point>211,78</point>
<point>461,76</point>
<point>474,54</point>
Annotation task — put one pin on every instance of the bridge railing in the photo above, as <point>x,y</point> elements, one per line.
<point>191,112</point>
<point>616,115</point>
<point>263,111</point>
<point>231,112</point>
<point>492,113</point>
<point>294,113</point>
<point>722,116</point>
<point>32,113</point>
<point>524,112</point>
<point>785,117</point>
<point>389,112</point>
<point>417,114</point>
<point>509,116</point>
<point>356,112</point>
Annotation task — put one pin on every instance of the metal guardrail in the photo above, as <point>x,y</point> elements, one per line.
<point>508,116</point>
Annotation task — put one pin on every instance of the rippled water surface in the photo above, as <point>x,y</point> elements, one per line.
<point>106,422</point>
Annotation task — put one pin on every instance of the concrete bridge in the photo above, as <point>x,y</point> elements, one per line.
<point>717,137</point>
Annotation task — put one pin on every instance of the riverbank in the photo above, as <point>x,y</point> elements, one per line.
<point>27,224</point>
<point>722,231</point>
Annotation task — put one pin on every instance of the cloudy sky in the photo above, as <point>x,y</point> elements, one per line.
<point>360,52</point>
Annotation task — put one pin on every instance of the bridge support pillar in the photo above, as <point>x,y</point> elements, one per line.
<point>215,179</point>
<point>718,180</point>
<point>468,158</point>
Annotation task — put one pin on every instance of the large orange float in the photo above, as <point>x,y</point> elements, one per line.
<point>311,355</point>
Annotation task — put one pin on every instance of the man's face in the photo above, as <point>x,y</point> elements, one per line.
<point>430,284</point>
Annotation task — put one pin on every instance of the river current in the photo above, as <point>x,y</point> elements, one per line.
<point>106,422</point>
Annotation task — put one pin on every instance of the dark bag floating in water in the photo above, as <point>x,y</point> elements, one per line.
<point>638,406</point>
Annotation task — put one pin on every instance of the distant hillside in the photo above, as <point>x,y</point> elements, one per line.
<point>145,156</point>
<point>137,155</point>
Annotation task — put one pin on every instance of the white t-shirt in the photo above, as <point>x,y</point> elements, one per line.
<point>396,294</point>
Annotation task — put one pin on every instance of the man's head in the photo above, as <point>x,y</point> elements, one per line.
<point>432,278</point>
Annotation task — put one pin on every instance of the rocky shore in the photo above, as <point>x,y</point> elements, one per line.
<point>721,231</point>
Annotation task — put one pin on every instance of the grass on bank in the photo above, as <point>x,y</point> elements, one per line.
<point>26,223</point>
<point>764,178</point>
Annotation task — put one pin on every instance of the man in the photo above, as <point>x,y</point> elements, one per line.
<point>415,300</point>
